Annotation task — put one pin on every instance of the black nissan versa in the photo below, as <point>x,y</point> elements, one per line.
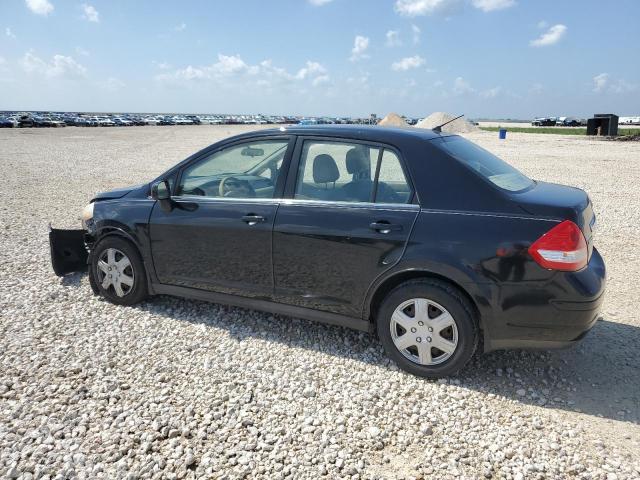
<point>423,237</point>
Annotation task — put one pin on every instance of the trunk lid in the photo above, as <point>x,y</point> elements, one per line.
<point>561,202</point>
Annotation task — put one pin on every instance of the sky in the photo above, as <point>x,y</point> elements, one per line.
<point>483,58</point>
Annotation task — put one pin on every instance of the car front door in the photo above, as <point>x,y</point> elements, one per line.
<point>215,234</point>
<point>347,219</point>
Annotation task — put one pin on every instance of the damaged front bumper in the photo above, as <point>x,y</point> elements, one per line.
<point>69,251</point>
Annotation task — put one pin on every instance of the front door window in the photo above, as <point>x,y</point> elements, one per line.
<point>247,170</point>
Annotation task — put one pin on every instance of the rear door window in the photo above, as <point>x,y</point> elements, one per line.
<point>350,172</point>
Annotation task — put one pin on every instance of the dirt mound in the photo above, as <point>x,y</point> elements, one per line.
<point>393,120</point>
<point>460,125</point>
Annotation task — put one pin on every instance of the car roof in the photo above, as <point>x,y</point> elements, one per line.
<point>357,132</point>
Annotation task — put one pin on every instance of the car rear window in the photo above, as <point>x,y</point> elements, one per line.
<point>497,171</point>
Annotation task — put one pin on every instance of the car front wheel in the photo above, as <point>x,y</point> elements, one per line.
<point>428,328</point>
<point>118,271</point>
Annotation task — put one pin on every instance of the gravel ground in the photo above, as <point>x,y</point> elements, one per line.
<point>183,389</point>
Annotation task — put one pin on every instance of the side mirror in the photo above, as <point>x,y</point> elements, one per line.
<point>160,190</point>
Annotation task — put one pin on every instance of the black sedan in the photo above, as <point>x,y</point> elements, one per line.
<point>421,236</point>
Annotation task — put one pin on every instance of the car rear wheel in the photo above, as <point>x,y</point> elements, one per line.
<point>118,271</point>
<point>428,328</point>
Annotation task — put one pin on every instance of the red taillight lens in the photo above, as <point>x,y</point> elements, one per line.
<point>561,248</point>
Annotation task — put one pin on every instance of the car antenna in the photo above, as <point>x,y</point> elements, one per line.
<point>438,129</point>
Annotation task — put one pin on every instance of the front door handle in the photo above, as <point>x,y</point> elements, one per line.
<point>252,219</point>
<point>383,226</point>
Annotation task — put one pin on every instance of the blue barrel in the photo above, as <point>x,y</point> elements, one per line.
<point>502,133</point>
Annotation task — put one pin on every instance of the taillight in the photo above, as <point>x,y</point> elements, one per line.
<point>561,248</point>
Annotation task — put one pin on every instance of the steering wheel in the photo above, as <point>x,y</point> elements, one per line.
<point>231,185</point>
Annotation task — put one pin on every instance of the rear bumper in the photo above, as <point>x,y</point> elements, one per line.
<point>553,314</point>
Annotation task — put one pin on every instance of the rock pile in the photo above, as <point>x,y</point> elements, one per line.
<point>393,120</point>
<point>461,125</point>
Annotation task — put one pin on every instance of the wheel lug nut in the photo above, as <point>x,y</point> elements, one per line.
<point>413,330</point>
<point>421,323</point>
<point>418,339</point>
<point>430,329</point>
<point>429,339</point>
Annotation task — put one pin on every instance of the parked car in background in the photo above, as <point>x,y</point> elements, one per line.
<point>629,121</point>
<point>567,122</point>
<point>8,122</point>
<point>194,119</point>
<point>25,120</point>
<point>106,122</point>
<point>122,122</point>
<point>544,122</point>
<point>345,225</point>
<point>40,121</point>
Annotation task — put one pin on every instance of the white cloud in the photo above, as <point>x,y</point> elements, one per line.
<point>604,83</point>
<point>415,30</point>
<point>393,38</point>
<point>9,33</point>
<point>232,70</point>
<point>491,93</point>
<point>408,63</point>
<point>59,66</point>
<point>90,13</point>
<point>461,86</point>
<point>40,7</point>
<point>310,70</point>
<point>112,84</point>
<point>491,5</point>
<point>550,37</point>
<point>180,28</point>
<point>622,86</point>
<point>414,8</point>
<point>319,3</point>
<point>360,45</point>
<point>600,82</point>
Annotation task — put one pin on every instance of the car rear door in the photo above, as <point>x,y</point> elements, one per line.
<point>349,213</point>
<point>216,233</point>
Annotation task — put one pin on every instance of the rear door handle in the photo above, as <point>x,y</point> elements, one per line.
<point>252,219</point>
<point>383,226</point>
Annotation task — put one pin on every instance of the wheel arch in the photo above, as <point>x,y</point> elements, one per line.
<point>388,284</point>
<point>115,230</point>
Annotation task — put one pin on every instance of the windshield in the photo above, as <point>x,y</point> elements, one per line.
<point>492,168</point>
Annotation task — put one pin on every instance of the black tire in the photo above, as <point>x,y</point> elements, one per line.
<point>138,291</point>
<point>454,302</point>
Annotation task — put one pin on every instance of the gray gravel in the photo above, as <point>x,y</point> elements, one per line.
<point>183,389</point>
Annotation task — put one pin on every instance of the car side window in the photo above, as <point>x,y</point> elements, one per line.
<point>246,170</point>
<point>393,186</point>
<point>336,171</point>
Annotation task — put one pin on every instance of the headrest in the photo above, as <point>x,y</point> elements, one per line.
<point>325,169</point>
<point>357,161</point>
